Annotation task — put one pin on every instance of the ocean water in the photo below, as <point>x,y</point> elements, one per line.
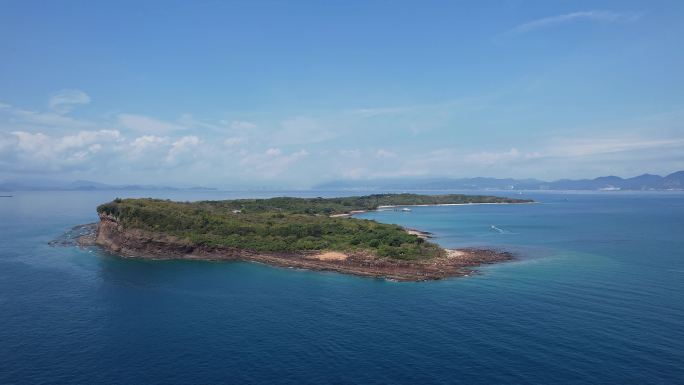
<point>597,297</point>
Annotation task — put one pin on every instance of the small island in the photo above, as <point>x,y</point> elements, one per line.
<point>307,233</point>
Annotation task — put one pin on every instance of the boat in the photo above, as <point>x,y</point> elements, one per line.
<point>406,209</point>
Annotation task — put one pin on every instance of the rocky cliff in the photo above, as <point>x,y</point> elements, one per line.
<point>135,243</point>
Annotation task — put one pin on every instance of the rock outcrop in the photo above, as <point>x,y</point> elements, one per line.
<point>135,243</point>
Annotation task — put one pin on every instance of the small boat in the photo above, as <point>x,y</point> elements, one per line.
<point>406,209</point>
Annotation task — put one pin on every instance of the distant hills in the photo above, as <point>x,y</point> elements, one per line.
<point>674,181</point>
<point>78,185</point>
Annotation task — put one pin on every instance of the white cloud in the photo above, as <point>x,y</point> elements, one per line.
<point>147,142</point>
<point>574,158</point>
<point>43,144</point>
<point>235,141</point>
<point>146,124</point>
<point>40,151</point>
<point>65,100</point>
<point>490,158</point>
<point>22,119</point>
<point>273,152</point>
<point>354,153</point>
<point>138,148</point>
<point>182,146</point>
<point>384,154</point>
<point>271,163</point>
<point>596,146</point>
<point>7,142</point>
<point>241,125</point>
<point>384,111</point>
<point>594,15</point>
<point>301,130</point>
<point>354,173</point>
<point>84,138</point>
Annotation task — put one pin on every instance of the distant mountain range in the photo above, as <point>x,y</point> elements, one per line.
<point>674,181</point>
<point>79,185</point>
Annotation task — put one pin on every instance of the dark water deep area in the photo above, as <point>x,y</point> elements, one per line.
<point>597,297</point>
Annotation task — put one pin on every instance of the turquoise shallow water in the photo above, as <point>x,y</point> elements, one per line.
<point>597,297</point>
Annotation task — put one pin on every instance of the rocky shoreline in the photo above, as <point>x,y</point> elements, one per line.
<point>134,243</point>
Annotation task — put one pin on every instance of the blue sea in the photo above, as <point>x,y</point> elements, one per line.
<point>596,297</point>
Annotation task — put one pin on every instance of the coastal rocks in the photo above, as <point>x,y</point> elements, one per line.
<point>81,235</point>
<point>419,233</point>
<point>135,243</point>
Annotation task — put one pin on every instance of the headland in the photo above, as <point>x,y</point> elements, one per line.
<point>305,233</point>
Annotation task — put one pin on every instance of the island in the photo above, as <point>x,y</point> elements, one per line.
<point>306,233</point>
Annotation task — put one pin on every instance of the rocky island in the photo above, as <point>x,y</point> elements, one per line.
<point>307,233</point>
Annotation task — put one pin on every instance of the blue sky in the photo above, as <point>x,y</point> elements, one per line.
<point>288,94</point>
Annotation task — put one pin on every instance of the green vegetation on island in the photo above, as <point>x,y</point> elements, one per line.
<point>287,224</point>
